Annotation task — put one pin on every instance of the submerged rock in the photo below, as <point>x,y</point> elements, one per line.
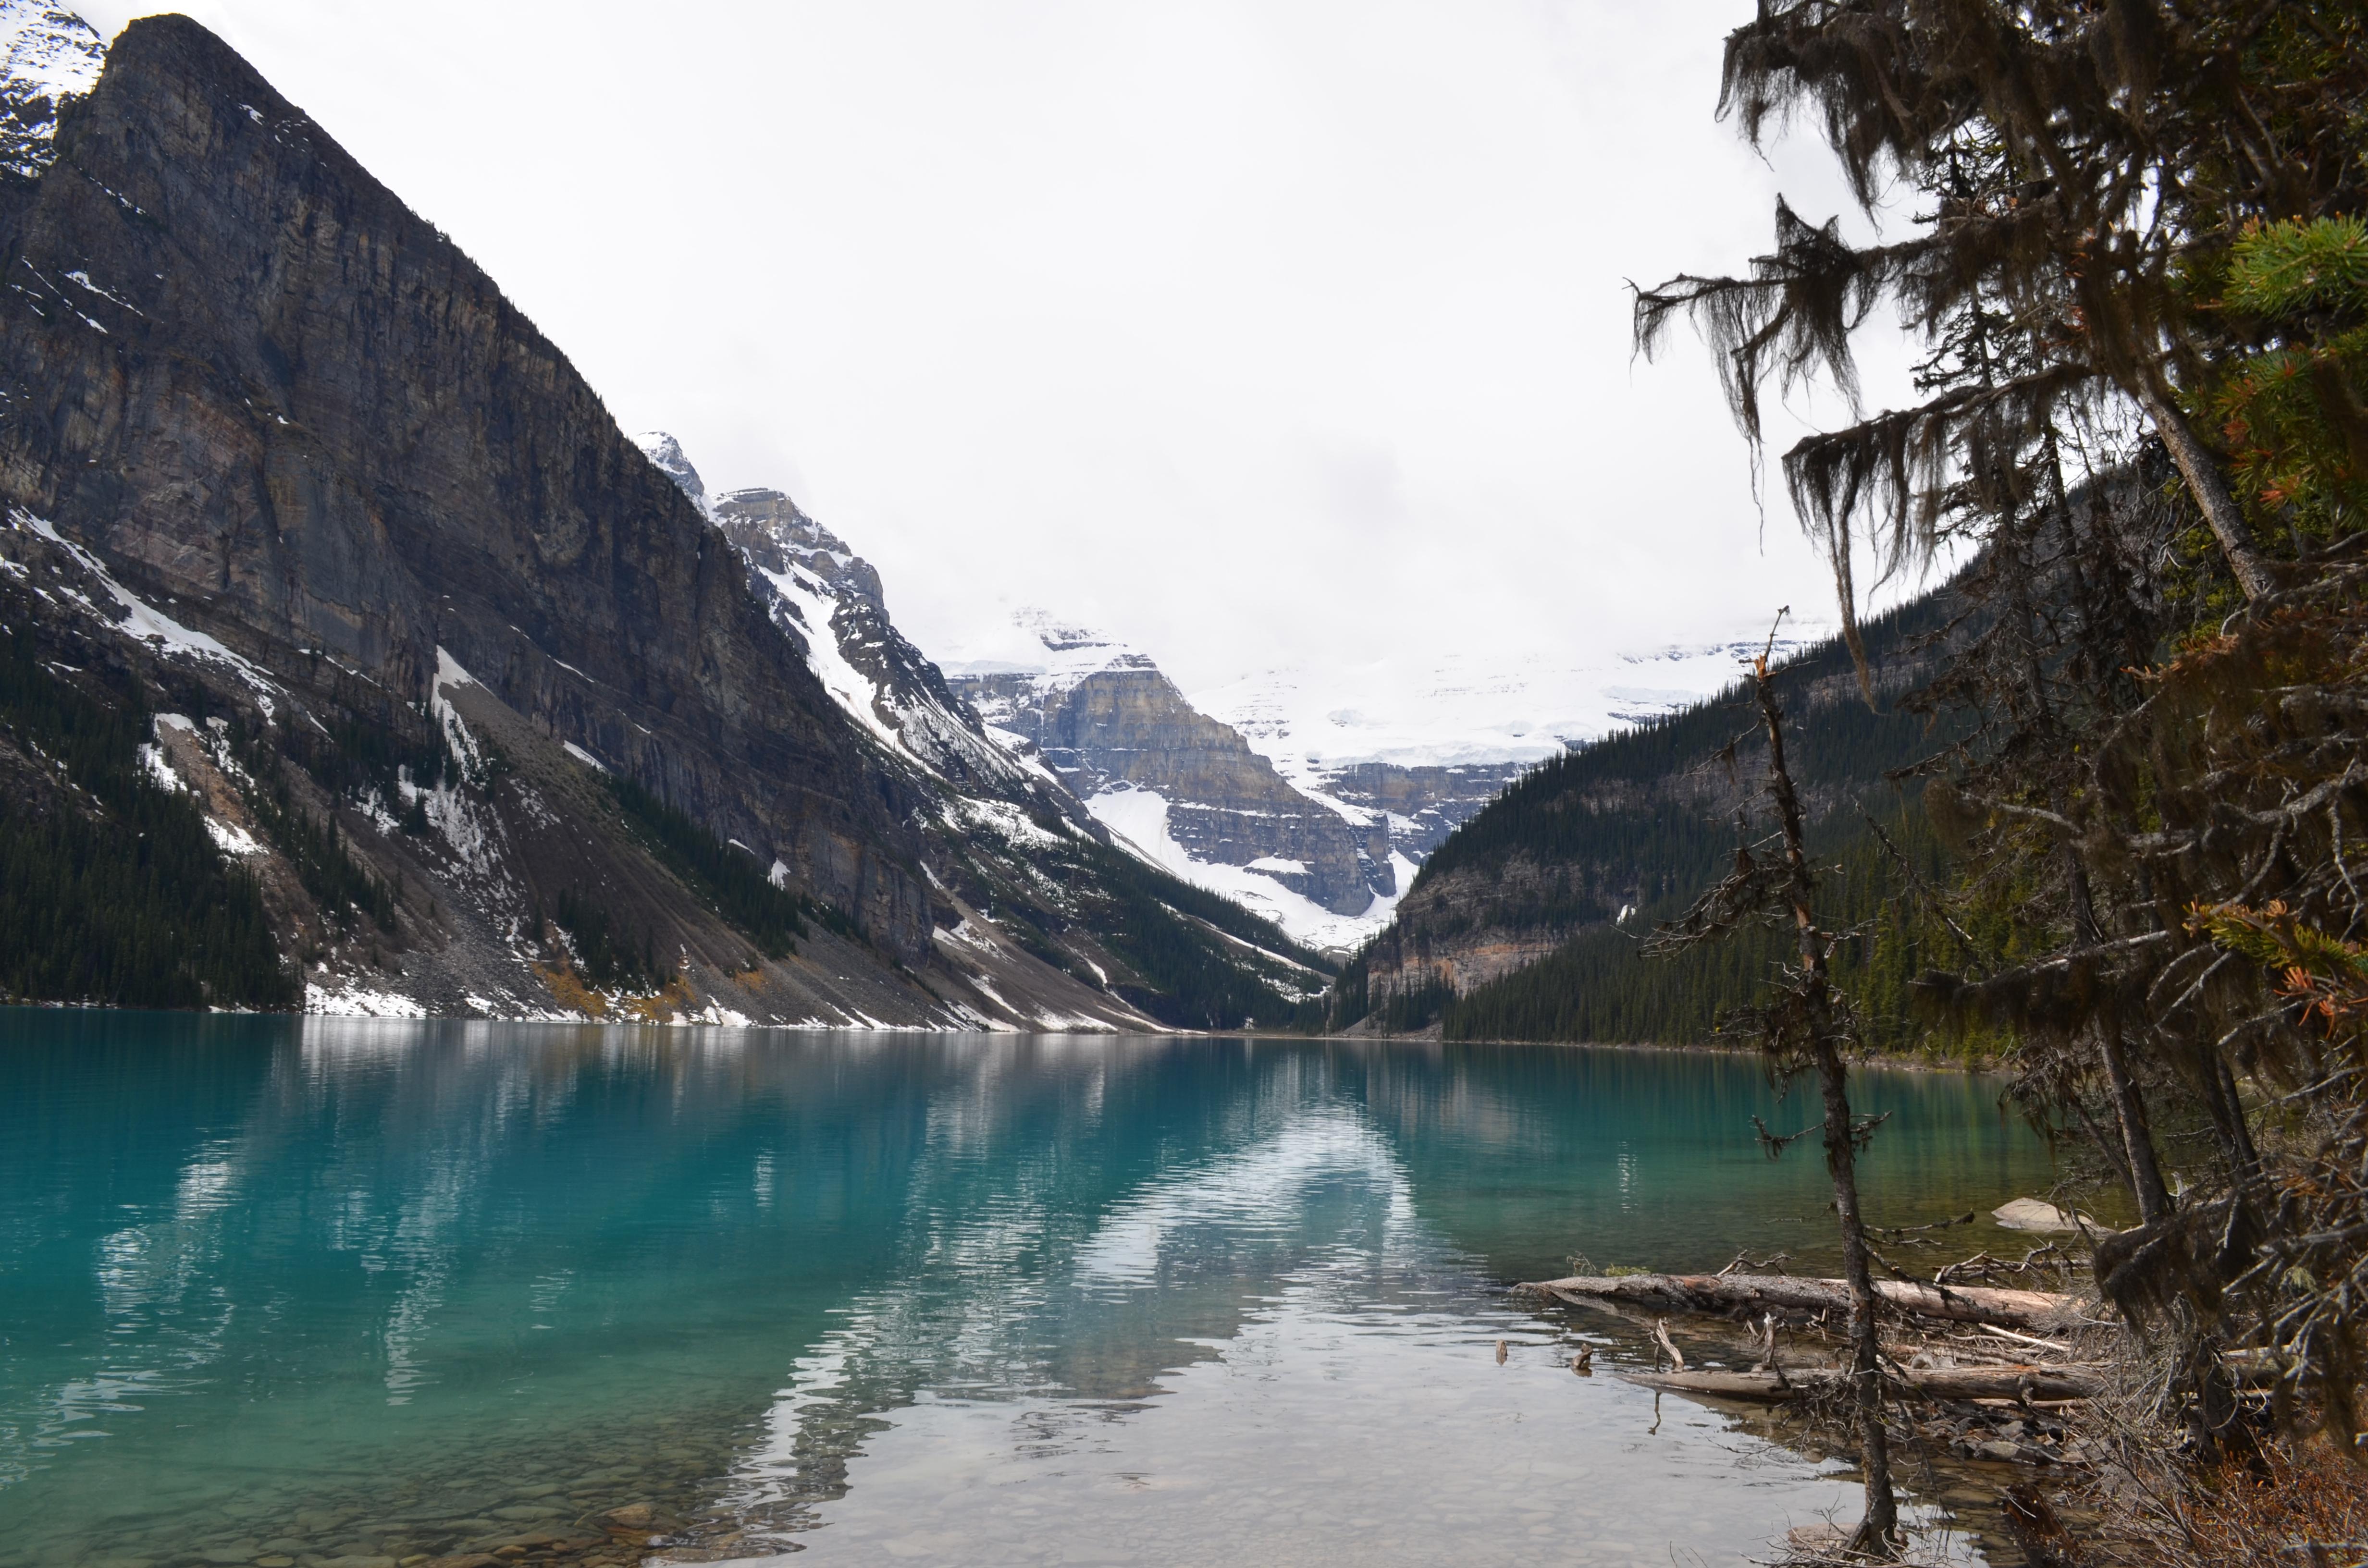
<point>2031,1214</point>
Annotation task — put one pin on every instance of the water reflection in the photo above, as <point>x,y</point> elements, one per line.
<point>371,1289</point>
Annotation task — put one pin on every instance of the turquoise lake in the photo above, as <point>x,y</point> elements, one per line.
<point>317,1290</point>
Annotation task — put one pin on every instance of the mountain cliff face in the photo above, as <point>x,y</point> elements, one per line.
<point>495,716</point>
<point>1419,805</point>
<point>1185,789</point>
<point>833,597</point>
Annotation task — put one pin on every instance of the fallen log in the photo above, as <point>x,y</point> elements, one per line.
<point>1759,1292</point>
<point>1940,1383</point>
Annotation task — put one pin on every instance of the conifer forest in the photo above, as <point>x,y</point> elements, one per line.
<point>2138,271</point>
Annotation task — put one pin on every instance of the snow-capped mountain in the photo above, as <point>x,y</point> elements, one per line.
<point>1425,744</point>
<point>1007,817</point>
<point>1310,797</point>
<point>47,58</point>
<point>1086,729</point>
<point>831,600</point>
<point>1185,791</point>
<point>1453,709</point>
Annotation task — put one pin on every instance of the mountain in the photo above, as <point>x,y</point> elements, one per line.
<point>1429,736</point>
<point>49,58</point>
<point>317,550</point>
<point>1524,924</point>
<point>833,598</point>
<point>1311,795</point>
<point>1185,791</point>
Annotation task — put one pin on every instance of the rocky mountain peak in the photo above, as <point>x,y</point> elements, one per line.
<point>1180,787</point>
<point>49,58</point>
<point>666,454</point>
<point>773,531</point>
<point>1072,651</point>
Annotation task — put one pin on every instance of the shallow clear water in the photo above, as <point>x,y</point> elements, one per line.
<point>305,1290</point>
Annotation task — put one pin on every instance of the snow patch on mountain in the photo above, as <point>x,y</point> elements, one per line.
<point>49,57</point>
<point>1138,819</point>
<point>809,605</point>
<point>1461,708</point>
<point>137,618</point>
<point>831,600</point>
<point>667,455</point>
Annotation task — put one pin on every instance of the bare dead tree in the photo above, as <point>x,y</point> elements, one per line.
<point>1806,1025</point>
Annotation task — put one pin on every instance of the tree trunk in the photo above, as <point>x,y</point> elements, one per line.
<point>2129,1106</point>
<point>2201,471</point>
<point>1760,1293</point>
<point>2138,1164</point>
<point>1955,1304</point>
<point>2137,1132</point>
<point>1878,1531</point>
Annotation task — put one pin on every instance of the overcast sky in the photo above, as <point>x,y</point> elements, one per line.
<point>1256,331</point>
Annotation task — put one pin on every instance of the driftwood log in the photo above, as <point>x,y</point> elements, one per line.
<point>1756,1293</point>
<point>1940,1382</point>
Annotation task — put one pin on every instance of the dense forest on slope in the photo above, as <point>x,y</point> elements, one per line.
<point>1597,987</point>
<point>1585,852</point>
<point>111,889</point>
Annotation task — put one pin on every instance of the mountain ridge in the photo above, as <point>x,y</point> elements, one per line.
<point>441,655</point>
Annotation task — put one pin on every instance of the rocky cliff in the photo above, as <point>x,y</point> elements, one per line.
<point>1419,805</point>
<point>488,707</point>
<point>1183,787</point>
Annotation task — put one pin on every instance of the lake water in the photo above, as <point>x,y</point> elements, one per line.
<point>313,1291</point>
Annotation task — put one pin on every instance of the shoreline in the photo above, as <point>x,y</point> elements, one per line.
<point>1884,1058</point>
<point>1888,1059</point>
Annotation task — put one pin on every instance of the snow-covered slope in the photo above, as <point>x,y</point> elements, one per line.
<point>1454,709</point>
<point>831,599</point>
<point>48,57</point>
<point>1183,790</point>
<point>1141,818</point>
<point>1424,743</point>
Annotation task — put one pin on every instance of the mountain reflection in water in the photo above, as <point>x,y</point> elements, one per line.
<point>320,1288</point>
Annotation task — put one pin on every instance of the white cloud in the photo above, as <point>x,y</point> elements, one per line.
<point>1258,331</point>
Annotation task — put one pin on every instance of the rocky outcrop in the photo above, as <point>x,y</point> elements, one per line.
<point>1421,805</point>
<point>1105,718</point>
<point>831,599</point>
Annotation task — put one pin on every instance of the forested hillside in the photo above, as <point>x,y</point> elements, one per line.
<point>1525,924</point>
